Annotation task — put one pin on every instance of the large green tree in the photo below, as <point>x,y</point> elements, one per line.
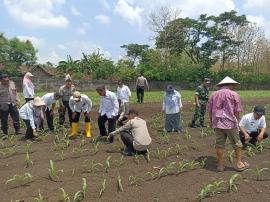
<point>135,51</point>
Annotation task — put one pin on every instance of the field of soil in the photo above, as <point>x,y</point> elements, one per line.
<point>178,167</point>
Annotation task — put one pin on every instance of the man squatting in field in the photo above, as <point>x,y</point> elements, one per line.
<point>80,103</point>
<point>253,126</point>
<point>32,115</point>
<point>201,100</point>
<point>134,134</point>
<point>224,108</point>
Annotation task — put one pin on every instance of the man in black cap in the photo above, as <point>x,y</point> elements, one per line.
<point>201,100</point>
<point>9,100</point>
<point>253,126</point>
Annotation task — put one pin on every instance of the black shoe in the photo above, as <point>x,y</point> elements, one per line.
<point>193,125</point>
<point>127,153</point>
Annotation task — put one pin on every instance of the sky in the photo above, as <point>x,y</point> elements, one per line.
<point>58,28</point>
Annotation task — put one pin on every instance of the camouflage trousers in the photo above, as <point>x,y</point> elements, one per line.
<point>199,113</point>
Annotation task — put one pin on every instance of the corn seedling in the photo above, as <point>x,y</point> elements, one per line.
<point>203,162</point>
<point>107,164</point>
<point>203,132</point>
<point>82,142</point>
<point>181,166</point>
<point>54,174</point>
<point>79,151</point>
<point>157,153</point>
<point>192,165</point>
<point>153,175</point>
<point>259,147</point>
<point>28,160</point>
<point>91,167</point>
<point>232,182</point>
<point>121,162</point>
<point>65,195</point>
<point>28,147</point>
<point>148,155</point>
<point>136,159</point>
<point>205,192</point>
<point>250,151</point>
<point>9,151</point>
<point>165,138</point>
<point>217,185</point>
<point>119,184</point>
<point>166,170</point>
<point>43,138</point>
<point>20,179</point>
<point>80,195</point>
<point>11,140</point>
<point>96,147</point>
<point>66,142</point>
<point>40,198</point>
<point>56,138</point>
<point>103,188</point>
<point>134,180</point>
<point>230,156</point>
<point>61,155</point>
<point>187,136</point>
<point>178,149</point>
<point>259,173</point>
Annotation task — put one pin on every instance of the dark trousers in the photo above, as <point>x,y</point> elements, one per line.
<point>77,118</point>
<point>28,99</point>
<point>140,93</point>
<point>62,113</point>
<point>253,136</point>
<point>49,118</point>
<point>13,111</point>
<point>127,139</point>
<point>111,125</point>
<point>199,114</point>
<point>29,130</point>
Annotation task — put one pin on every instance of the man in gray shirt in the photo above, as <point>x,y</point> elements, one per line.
<point>141,83</point>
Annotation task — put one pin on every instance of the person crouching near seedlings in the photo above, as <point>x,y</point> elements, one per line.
<point>50,103</point>
<point>80,103</point>
<point>253,126</point>
<point>134,134</point>
<point>30,114</point>
<point>172,105</point>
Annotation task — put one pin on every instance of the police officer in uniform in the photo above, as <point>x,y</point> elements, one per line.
<point>201,100</point>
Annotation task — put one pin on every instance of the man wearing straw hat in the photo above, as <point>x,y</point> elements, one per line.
<point>224,108</point>
<point>31,114</point>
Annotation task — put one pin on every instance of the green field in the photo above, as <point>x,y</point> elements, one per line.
<point>187,95</point>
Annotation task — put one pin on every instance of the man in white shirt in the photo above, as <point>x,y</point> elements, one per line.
<point>50,103</point>
<point>123,95</point>
<point>108,111</point>
<point>80,103</point>
<point>253,126</point>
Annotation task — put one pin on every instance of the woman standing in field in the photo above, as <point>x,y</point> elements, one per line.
<point>28,87</point>
<point>172,105</point>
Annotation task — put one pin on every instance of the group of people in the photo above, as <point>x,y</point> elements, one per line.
<point>113,108</point>
<point>224,108</point>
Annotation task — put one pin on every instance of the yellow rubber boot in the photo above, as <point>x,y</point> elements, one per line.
<point>88,128</point>
<point>74,129</point>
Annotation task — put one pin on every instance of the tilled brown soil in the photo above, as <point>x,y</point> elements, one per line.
<point>184,186</point>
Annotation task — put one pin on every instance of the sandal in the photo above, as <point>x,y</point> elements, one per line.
<point>246,166</point>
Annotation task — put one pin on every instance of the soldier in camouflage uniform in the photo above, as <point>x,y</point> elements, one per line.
<point>66,91</point>
<point>201,100</point>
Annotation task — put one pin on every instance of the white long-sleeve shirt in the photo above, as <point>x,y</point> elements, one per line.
<point>108,104</point>
<point>26,112</point>
<point>84,105</point>
<point>28,91</point>
<point>48,99</point>
<point>173,105</point>
<point>123,93</point>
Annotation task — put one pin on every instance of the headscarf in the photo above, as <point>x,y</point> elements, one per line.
<point>170,92</point>
<point>27,81</point>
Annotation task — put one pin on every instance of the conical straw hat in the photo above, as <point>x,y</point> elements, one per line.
<point>38,102</point>
<point>227,80</point>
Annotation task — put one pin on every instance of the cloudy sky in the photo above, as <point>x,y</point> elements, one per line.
<point>61,27</point>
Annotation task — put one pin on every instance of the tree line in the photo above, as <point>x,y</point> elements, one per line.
<point>186,50</point>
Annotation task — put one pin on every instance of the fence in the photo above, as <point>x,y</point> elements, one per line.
<point>50,85</point>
